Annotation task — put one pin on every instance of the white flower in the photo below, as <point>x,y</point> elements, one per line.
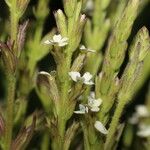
<point>86,78</point>
<point>144,131</point>
<point>83,48</point>
<point>94,103</point>
<point>100,127</point>
<point>57,40</point>
<point>82,109</point>
<point>142,111</point>
<point>134,119</point>
<point>89,5</point>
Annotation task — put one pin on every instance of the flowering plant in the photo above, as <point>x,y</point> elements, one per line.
<point>79,97</point>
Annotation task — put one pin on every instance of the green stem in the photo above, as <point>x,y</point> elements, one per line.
<point>14,23</point>
<point>113,126</point>
<point>45,141</point>
<point>9,110</point>
<point>63,70</point>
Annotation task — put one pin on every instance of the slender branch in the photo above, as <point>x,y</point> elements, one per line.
<point>9,110</point>
<point>113,126</point>
<point>14,19</point>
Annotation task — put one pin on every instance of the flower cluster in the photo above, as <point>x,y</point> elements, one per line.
<point>141,112</point>
<point>93,106</point>
<point>86,78</point>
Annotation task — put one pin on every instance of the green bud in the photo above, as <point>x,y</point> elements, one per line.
<point>124,25</point>
<point>8,57</point>
<point>78,63</point>
<point>24,136</point>
<point>43,93</point>
<point>122,47</point>
<point>21,6</point>
<point>70,133</point>
<point>76,33</point>
<point>129,81</point>
<point>80,28</point>
<point>69,7</point>
<point>104,4</point>
<point>42,9</point>
<point>141,42</point>
<point>20,109</point>
<point>61,22</point>
<point>138,51</point>
<point>105,82</point>
<point>21,36</point>
<point>78,10</point>
<point>88,32</point>
<point>8,2</point>
<point>48,81</point>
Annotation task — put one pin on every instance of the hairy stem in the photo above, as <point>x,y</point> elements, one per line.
<point>14,23</point>
<point>113,126</point>
<point>9,110</point>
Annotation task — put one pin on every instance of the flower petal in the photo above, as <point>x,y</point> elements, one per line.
<point>98,102</point>
<point>47,42</point>
<point>57,38</point>
<point>82,47</point>
<point>91,50</point>
<point>62,44</point>
<point>89,82</point>
<point>144,132</point>
<point>64,39</point>
<point>82,109</point>
<point>142,111</point>
<point>94,102</point>
<point>92,95</point>
<point>87,76</point>
<point>100,127</point>
<point>44,73</point>
<point>74,75</point>
<point>134,119</point>
<point>95,109</point>
<point>79,112</point>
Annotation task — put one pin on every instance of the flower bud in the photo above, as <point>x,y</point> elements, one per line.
<point>8,57</point>
<point>61,22</point>
<point>69,7</point>
<point>140,44</point>
<point>21,36</point>
<point>24,136</point>
<point>42,10</point>
<point>21,6</point>
<point>48,81</point>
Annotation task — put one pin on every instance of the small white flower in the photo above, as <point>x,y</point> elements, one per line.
<point>89,5</point>
<point>142,111</point>
<point>82,109</point>
<point>57,40</point>
<point>144,131</point>
<point>83,48</point>
<point>94,103</point>
<point>74,75</point>
<point>134,119</point>
<point>100,127</point>
<point>86,78</point>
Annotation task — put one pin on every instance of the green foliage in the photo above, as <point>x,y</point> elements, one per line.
<point>97,73</point>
